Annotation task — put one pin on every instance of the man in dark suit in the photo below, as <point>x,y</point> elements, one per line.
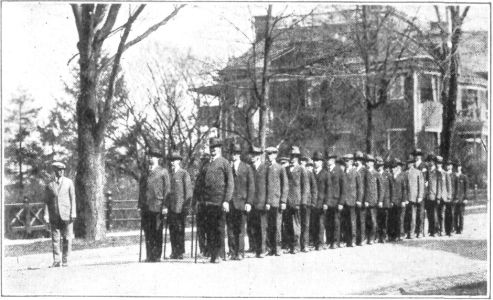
<point>241,203</point>
<point>259,212</point>
<point>383,199</point>
<point>297,198</point>
<point>218,185</point>
<point>153,209</point>
<point>371,195</point>
<point>359,159</point>
<point>320,207</point>
<point>432,196</point>
<point>333,203</point>
<point>276,193</point>
<point>399,199</point>
<point>60,213</point>
<point>352,192</point>
<point>306,213</point>
<point>421,210</point>
<point>178,204</point>
<point>445,193</point>
<point>460,187</point>
<point>449,204</point>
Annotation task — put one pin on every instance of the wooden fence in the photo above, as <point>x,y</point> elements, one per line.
<point>24,219</point>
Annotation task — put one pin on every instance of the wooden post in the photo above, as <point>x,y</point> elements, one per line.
<point>109,207</point>
<point>27,218</point>
<point>476,192</point>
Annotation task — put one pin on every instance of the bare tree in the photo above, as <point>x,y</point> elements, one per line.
<point>95,24</point>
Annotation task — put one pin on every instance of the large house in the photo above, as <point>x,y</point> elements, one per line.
<point>316,93</point>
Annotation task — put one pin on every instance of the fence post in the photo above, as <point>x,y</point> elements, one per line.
<point>475,192</point>
<point>27,219</point>
<point>109,206</point>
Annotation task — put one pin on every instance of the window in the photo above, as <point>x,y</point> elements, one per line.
<point>470,107</point>
<point>396,89</point>
<point>428,87</point>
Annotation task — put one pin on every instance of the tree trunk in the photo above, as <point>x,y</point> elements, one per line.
<point>264,117</point>
<point>369,129</point>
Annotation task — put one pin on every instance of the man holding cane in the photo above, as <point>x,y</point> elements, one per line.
<point>60,213</point>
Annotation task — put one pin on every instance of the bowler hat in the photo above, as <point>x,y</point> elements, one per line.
<point>256,150</point>
<point>379,161</point>
<point>417,152</point>
<point>397,162</point>
<point>317,155</point>
<point>439,159</point>
<point>175,155</point>
<point>283,158</point>
<point>295,151</point>
<point>58,165</point>
<point>410,161</point>
<point>309,162</point>
<point>340,161</point>
<point>236,149</point>
<point>215,142</point>
<point>269,150</point>
<point>358,155</point>
<point>348,157</point>
<point>370,157</point>
<point>329,154</point>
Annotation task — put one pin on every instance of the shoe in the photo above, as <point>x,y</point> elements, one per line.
<point>370,243</point>
<point>332,247</point>
<point>351,245</point>
<point>293,251</point>
<point>215,260</point>
<point>65,264</point>
<point>259,255</point>
<point>179,256</point>
<point>56,265</point>
<point>278,254</point>
<point>304,250</point>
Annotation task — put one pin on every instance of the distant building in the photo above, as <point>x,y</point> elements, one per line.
<point>318,108</point>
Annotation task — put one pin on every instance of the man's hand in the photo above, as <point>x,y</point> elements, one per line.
<point>358,203</point>
<point>465,201</point>
<point>403,204</point>
<point>267,206</point>
<point>297,207</point>
<point>340,207</point>
<point>164,211</point>
<point>283,206</point>
<point>366,204</point>
<point>248,207</point>
<point>419,200</point>
<point>380,204</point>
<point>225,206</point>
<point>325,207</point>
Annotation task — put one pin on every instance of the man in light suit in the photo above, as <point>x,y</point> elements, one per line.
<point>416,186</point>
<point>60,213</point>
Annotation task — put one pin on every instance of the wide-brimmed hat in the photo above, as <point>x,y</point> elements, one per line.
<point>358,155</point>
<point>215,142</point>
<point>269,150</point>
<point>283,159</point>
<point>397,162</point>
<point>439,159</point>
<point>348,156</point>
<point>235,149</point>
<point>329,154</point>
<point>175,155</point>
<point>58,165</point>
<point>379,161</point>
<point>255,150</point>
<point>295,151</point>
<point>370,157</point>
<point>309,162</point>
<point>417,151</point>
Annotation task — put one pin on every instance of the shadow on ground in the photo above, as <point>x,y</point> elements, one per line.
<point>473,249</point>
<point>472,289</point>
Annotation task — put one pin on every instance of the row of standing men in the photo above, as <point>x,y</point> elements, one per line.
<point>300,203</point>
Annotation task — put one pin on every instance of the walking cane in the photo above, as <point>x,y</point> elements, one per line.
<point>191,244</point>
<point>196,242</point>
<point>165,236</point>
<point>140,243</point>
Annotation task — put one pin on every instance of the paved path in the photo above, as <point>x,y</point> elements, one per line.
<point>346,271</point>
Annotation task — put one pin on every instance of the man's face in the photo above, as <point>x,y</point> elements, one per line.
<point>235,156</point>
<point>331,161</point>
<point>397,169</point>
<point>410,165</point>
<point>318,164</point>
<point>380,168</point>
<point>175,163</point>
<point>418,159</point>
<point>294,161</point>
<point>309,168</point>
<point>58,172</point>
<point>271,157</point>
<point>215,152</point>
<point>303,163</point>
<point>349,163</point>
<point>459,169</point>
<point>450,167</point>
<point>255,158</point>
<point>370,164</point>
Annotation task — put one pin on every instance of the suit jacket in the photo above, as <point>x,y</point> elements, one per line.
<point>180,195</point>
<point>372,188</point>
<point>460,187</point>
<point>277,188</point>
<point>244,186</point>
<point>352,188</point>
<point>335,186</point>
<point>313,188</point>
<point>259,177</point>
<point>298,186</point>
<point>416,184</point>
<point>433,190</point>
<point>218,182</point>
<point>446,186</point>
<point>158,187</point>
<point>60,200</point>
<point>399,189</point>
<point>385,188</point>
<point>323,187</point>
<point>361,187</point>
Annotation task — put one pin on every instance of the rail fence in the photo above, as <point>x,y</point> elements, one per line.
<point>26,220</point>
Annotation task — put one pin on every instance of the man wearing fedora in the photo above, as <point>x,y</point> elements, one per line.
<point>60,213</point>
<point>449,205</point>
<point>445,194</point>
<point>420,165</point>
<point>371,195</point>
<point>153,209</point>
<point>352,193</point>
<point>276,193</point>
<point>178,204</point>
<point>460,197</point>
<point>217,189</point>
<point>333,204</point>
<point>258,216</point>
<point>320,207</point>
<point>297,198</point>
<point>306,210</point>
<point>359,159</point>
<point>383,199</point>
<point>399,199</point>
<point>241,203</point>
<point>433,192</point>
<point>199,205</point>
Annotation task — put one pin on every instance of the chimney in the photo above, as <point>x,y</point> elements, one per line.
<point>259,26</point>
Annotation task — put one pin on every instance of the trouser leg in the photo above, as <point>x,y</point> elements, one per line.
<point>285,230</point>
<point>420,223</point>
<point>201,229</point>
<point>330,226</point>
<point>242,228</point>
<point>215,233</point>
<point>55,238</point>
<point>402,215</point>
<point>274,229</point>
<point>305,226</point>
<point>351,225</point>
<point>173,230</point>
<point>320,228</point>
<point>449,217</point>
<point>230,221</point>
<point>372,216</point>
<point>412,208</point>
<point>361,225</point>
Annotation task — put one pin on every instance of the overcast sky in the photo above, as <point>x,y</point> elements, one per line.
<point>38,39</point>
